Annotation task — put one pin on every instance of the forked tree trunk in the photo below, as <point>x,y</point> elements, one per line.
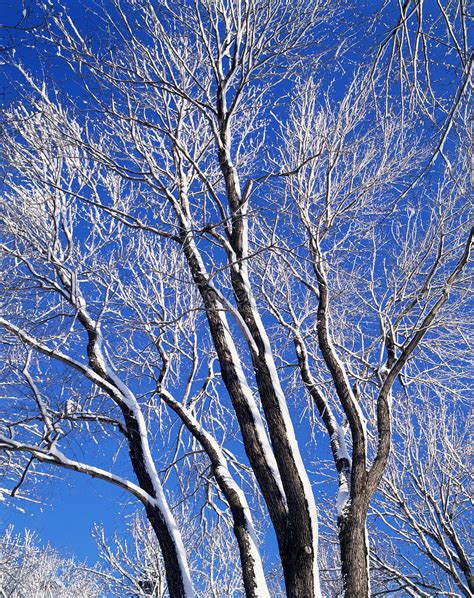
<point>354,552</point>
<point>295,530</point>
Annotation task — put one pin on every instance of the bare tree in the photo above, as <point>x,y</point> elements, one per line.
<point>425,503</point>
<point>330,195</point>
<point>26,569</point>
<point>220,235</point>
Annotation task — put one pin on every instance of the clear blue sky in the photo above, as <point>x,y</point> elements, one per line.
<point>70,507</point>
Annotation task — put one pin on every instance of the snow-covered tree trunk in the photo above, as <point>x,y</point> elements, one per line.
<point>354,551</point>
<point>252,568</point>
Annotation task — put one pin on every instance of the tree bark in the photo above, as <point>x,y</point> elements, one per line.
<point>354,552</point>
<point>298,569</point>
<point>294,528</point>
<point>174,574</point>
<point>253,575</point>
<point>298,539</point>
<point>177,576</point>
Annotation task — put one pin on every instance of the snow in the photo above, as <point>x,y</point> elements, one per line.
<point>131,402</point>
<point>74,28</point>
<point>288,424</point>
<point>343,492</point>
<point>258,423</point>
<point>308,490</point>
<point>54,455</point>
<point>227,483</point>
<point>255,555</point>
<point>238,318</point>
<point>347,384</point>
<point>342,499</point>
<point>342,452</point>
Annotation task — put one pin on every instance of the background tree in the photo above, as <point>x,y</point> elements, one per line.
<point>425,503</point>
<point>26,569</point>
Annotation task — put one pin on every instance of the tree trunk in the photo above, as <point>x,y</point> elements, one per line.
<point>298,568</point>
<point>177,585</point>
<point>159,514</point>
<point>354,552</point>
<point>252,572</point>
<point>253,575</point>
<point>300,538</point>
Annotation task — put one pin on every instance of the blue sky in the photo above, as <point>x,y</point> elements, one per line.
<point>72,506</point>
